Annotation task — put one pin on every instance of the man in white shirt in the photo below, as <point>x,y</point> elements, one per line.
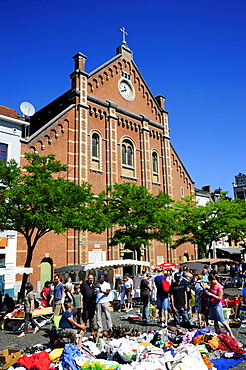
<point>102,300</point>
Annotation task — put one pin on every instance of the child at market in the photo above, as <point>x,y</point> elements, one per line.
<point>78,300</point>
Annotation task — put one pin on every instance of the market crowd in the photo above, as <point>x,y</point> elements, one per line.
<point>178,295</point>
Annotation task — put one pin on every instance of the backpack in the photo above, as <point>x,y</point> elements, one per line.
<point>165,286</point>
<point>54,337</point>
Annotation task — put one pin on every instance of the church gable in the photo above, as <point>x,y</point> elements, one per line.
<point>120,81</point>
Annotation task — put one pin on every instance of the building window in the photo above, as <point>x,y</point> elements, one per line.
<point>154,162</point>
<point>155,167</point>
<point>3,152</point>
<point>96,151</point>
<point>127,153</point>
<point>95,145</point>
<point>182,192</point>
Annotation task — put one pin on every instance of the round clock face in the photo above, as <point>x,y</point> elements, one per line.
<point>126,91</point>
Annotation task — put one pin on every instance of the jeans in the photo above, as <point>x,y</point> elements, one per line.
<point>181,312</point>
<point>100,308</point>
<point>145,300</point>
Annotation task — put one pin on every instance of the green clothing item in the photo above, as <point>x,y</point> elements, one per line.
<point>77,300</point>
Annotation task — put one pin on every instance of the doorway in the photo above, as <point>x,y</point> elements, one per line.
<point>46,268</point>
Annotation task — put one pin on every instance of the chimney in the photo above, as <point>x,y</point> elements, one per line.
<point>79,61</point>
<point>207,188</point>
<point>161,101</point>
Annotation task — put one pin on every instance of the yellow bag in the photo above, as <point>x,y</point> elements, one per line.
<point>55,355</point>
<point>192,300</point>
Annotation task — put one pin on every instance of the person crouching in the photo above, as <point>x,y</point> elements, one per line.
<point>69,325</point>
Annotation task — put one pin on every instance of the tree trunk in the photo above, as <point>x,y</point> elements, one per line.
<point>30,249</point>
<point>209,248</point>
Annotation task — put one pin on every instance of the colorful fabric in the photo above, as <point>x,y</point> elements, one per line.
<point>230,343</point>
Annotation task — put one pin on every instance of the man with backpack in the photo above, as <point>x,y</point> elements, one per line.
<point>163,304</point>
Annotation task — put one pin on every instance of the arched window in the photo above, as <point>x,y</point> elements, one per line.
<point>155,167</point>
<point>128,162</point>
<point>95,145</point>
<point>127,153</point>
<point>96,151</point>
<point>123,154</point>
<point>129,156</point>
<point>154,162</point>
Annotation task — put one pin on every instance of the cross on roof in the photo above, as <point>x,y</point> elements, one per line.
<point>124,34</point>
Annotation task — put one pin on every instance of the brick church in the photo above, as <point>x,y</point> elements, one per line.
<point>108,128</point>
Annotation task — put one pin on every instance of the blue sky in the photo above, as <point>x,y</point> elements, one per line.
<point>191,51</point>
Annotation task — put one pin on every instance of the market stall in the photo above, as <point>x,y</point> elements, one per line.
<point>80,272</point>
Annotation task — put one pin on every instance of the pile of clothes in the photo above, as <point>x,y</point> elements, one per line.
<point>169,349</point>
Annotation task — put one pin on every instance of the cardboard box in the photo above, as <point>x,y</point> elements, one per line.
<point>9,357</point>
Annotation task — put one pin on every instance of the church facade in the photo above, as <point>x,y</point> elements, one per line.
<point>108,128</point>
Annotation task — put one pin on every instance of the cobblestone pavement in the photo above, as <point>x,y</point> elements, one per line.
<point>8,339</point>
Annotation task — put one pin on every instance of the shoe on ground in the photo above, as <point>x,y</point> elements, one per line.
<point>21,335</point>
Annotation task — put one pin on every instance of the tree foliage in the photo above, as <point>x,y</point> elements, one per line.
<point>202,225</point>
<point>139,215</point>
<point>37,200</point>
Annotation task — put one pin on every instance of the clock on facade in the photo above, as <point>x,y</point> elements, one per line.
<point>126,90</point>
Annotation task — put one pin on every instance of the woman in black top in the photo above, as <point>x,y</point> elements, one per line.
<point>145,289</point>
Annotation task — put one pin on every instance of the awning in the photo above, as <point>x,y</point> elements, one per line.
<point>167,266</point>
<point>199,266</point>
<point>15,270</point>
<point>210,261</point>
<point>3,242</point>
<point>101,265</point>
<point>231,250</point>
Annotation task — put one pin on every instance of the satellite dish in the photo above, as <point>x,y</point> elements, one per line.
<point>27,109</point>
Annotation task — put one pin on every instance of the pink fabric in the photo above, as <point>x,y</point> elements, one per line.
<point>215,291</point>
<point>187,338</point>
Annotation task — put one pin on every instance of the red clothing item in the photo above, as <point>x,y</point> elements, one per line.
<point>46,301</point>
<point>39,361</point>
<point>230,343</point>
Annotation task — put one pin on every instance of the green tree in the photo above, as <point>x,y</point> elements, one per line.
<point>37,200</point>
<point>202,225</point>
<point>138,215</point>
